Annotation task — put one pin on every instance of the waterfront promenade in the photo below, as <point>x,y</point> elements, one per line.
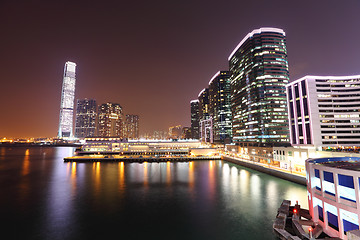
<point>268,169</point>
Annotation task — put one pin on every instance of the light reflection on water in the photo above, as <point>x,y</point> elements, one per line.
<point>191,200</point>
<point>121,177</point>
<point>26,163</point>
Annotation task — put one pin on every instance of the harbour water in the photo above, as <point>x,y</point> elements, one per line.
<point>43,197</point>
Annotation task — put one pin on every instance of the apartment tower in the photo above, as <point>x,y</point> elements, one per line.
<point>131,126</point>
<point>110,120</point>
<point>85,124</point>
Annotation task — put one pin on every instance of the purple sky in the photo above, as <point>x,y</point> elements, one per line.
<point>152,57</point>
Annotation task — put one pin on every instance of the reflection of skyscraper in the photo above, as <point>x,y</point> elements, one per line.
<point>67,101</point>
<point>110,120</point>
<point>85,125</point>
<point>131,126</point>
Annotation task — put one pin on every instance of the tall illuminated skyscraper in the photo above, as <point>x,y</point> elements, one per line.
<point>67,102</point>
<point>219,106</point>
<point>195,121</point>
<point>205,119</point>
<point>259,73</point>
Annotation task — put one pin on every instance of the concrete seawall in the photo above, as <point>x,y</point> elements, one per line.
<point>276,173</point>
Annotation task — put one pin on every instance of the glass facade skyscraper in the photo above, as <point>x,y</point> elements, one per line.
<point>194,105</point>
<point>67,102</point>
<point>259,73</point>
<point>205,120</point>
<point>220,106</point>
<point>85,124</point>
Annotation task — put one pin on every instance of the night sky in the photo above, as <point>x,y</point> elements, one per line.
<point>152,57</point>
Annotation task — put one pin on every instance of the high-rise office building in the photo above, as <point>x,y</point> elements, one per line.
<point>220,106</point>
<point>131,126</point>
<point>67,102</point>
<point>194,105</point>
<point>85,124</point>
<point>324,111</point>
<point>110,120</point>
<point>205,119</point>
<point>259,74</point>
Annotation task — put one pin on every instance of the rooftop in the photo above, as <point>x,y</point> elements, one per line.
<point>350,163</point>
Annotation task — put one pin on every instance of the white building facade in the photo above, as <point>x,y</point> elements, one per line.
<point>324,111</point>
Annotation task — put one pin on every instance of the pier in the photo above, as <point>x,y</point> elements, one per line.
<point>137,158</point>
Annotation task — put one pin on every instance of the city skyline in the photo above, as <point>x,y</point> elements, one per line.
<point>152,59</point>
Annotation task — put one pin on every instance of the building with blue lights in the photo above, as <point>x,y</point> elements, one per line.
<point>333,194</point>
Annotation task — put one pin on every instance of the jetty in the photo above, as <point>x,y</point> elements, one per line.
<point>137,158</point>
<point>295,223</point>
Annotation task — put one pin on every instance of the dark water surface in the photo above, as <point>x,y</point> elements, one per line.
<point>44,198</point>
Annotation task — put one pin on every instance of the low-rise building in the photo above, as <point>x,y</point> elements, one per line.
<point>114,145</point>
<point>333,194</point>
